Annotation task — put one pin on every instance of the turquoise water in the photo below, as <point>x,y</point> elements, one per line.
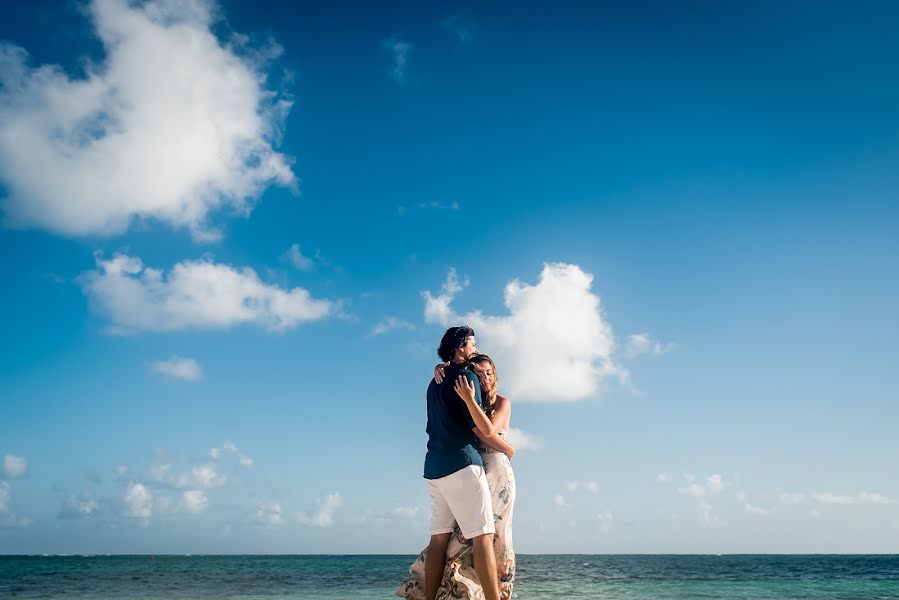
<point>613,577</point>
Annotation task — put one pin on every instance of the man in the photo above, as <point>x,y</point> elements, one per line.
<point>454,469</point>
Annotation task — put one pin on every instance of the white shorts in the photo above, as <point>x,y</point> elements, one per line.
<point>462,497</point>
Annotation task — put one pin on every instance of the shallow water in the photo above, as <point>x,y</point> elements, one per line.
<point>613,577</point>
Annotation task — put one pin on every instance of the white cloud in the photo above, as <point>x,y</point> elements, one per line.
<point>244,460</point>
<point>323,515</point>
<point>399,53</point>
<point>707,516</point>
<point>559,500</point>
<point>828,498</point>
<point>214,453</point>
<point>663,478</point>
<point>139,502</point>
<point>605,520</point>
<point>195,294</point>
<point>172,125</point>
<point>400,514</point>
<point>694,489</point>
<point>80,506</point>
<point>588,486</point>
<point>160,471</point>
<point>714,483</point>
<point>407,512</point>
<point>269,514</point>
<point>557,324</point>
<point>523,441</point>
<point>14,467</point>
<point>121,471</point>
<point>875,498</point>
<point>460,27</point>
<point>641,343</point>
<point>792,497</point>
<point>176,367</point>
<point>10,519</point>
<point>389,324</point>
<point>296,258</point>
<point>740,495</point>
<point>202,477</point>
<point>194,501</point>
<point>756,510</point>
<point>701,492</point>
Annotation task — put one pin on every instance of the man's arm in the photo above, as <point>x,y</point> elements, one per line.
<point>470,393</point>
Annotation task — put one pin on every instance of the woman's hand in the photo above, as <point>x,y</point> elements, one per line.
<point>464,388</point>
<point>440,372</point>
<point>510,452</point>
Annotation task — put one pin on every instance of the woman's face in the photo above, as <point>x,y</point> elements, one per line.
<point>485,374</point>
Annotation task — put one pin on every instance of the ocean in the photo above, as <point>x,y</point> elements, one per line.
<point>539,577</point>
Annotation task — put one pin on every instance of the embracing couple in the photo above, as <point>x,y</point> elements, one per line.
<point>469,478</point>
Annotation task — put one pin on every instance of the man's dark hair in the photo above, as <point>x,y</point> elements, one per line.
<point>453,339</point>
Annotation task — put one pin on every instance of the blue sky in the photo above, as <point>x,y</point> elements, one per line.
<point>674,226</point>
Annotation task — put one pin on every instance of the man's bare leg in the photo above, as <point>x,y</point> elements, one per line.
<point>485,565</point>
<point>435,561</point>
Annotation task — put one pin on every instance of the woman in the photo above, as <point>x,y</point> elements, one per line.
<point>459,578</point>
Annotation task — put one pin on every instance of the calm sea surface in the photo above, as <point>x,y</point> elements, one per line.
<point>540,577</point>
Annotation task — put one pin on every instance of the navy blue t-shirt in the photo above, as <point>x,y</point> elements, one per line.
<point>452,445</point>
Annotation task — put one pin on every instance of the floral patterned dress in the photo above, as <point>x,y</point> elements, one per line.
<point>459,577</point>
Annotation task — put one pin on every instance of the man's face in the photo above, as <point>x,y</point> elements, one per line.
<point>468,349</point>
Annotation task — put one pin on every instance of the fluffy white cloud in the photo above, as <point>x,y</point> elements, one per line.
<point>5,495</point>
<point>79,506</point>
<point>694,489</point>
<point>828,498</point>
<point>176,367</point>
<point>862,497</point>
<point>214,453</point>
<point>195,294</point>
<point>7,517</point>
<point>323,515</point>
<point>269,514</point>
<point>792,497</point>
<point>171,125</point>
<point>587,486</point>
<point>714,483</point>
<point>875,498</point>
<point>399,54</point>
<point>559,500</point>
<point>556,324</point>
<point>138,502</point>
<point>605,520</point>
<point>389,324</point>
<point>641,343</point>
<point>663,478</point>
<point>296,258</point>
<point>707,516</point>
<point>202,477</point>
<point>757,510</point>
<point>523,441</point>
<point>244,460</point>
<point>194,501</point>
<point>14,467</point>
<point>407,512</point>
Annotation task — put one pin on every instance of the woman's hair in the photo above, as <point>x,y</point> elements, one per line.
<point>453,339</point>
<point>488,395</point>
